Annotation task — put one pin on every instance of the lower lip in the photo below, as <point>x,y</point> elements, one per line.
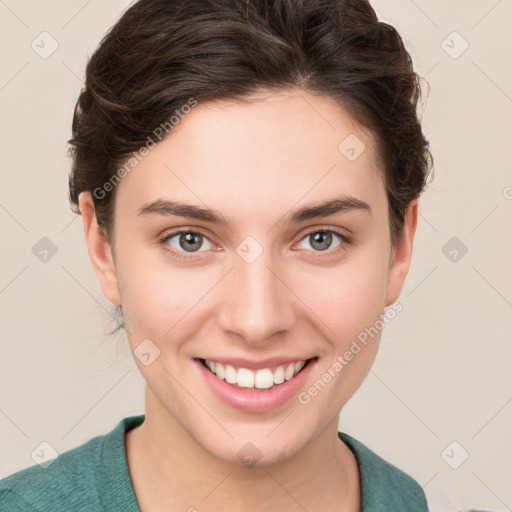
<point>258,400</point>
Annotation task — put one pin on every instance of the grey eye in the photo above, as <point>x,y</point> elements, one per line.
<point>321,240</point>
<point>188,241</point>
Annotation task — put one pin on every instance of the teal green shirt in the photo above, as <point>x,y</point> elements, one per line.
<point>94,477</point>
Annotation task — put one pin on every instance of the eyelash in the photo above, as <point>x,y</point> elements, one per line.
<point>345,240</point>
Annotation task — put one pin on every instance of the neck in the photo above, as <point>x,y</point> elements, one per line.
<point>171,470</point>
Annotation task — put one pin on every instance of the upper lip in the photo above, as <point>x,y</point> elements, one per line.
<point>239,362</point>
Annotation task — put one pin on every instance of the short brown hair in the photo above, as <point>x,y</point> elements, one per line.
<point>161,53</point>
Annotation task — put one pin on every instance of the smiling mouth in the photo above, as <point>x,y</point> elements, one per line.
<point>262,379</point>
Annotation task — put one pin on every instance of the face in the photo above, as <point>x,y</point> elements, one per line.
<point>252,275</point>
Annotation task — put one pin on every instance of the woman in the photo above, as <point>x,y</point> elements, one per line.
<point>248,176</point>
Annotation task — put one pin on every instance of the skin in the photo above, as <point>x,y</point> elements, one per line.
<point>254,163</point>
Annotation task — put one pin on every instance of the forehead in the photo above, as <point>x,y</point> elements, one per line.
<point>266,123</point>
<point>254,155</point>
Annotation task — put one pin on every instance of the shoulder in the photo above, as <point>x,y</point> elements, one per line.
<point>73,481</point>
<point>37,486</point>
<point>383,485</point>
<point>70,474</point>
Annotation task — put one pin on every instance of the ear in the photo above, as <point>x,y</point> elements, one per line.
<point>401,254</point>
<point>99,250</point>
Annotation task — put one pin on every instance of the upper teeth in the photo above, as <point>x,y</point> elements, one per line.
<point>261,379</point>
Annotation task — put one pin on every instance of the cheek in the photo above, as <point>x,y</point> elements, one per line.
<point>158,297</point>
<point>349,305</point>
<point>348,298</point>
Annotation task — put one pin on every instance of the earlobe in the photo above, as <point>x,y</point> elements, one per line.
<point>402,254</point>
<point>99,249</point>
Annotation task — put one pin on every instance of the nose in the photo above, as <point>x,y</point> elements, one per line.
<point>258,304</point>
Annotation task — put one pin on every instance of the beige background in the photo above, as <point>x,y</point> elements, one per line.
<point>443,373</point>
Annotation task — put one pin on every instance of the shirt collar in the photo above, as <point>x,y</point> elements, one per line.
<point>384,487</point>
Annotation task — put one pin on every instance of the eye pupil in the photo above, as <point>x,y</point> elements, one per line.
<point>192,241</point>
<point>323,238</point>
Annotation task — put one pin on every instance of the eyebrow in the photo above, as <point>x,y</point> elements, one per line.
<point>327,208</point>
